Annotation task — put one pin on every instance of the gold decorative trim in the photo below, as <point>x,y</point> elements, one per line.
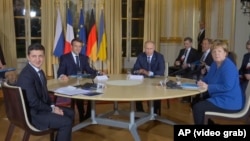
<point>170,40</point>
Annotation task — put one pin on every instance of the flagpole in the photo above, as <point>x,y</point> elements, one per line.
<point>102,7</point>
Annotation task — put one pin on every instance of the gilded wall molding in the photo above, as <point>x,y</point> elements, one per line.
<point>176,40</point>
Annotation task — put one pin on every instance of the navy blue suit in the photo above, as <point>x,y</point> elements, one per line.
<point>244,70</point>
<point>197,70</point>
<point>157,67</point>
<point>157,63</point>
<point>192,57</point>
<point>39,105</point>
<point>67,66</point>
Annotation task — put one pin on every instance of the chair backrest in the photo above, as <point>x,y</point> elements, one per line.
<point>246,108</point>
<point>15,107</point>
<point>55,68</point>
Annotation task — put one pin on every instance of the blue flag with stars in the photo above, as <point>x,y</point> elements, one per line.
<point>81,34</point>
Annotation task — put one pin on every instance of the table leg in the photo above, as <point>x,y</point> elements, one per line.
<point>116,112</point>
<point>88,121</point>
<point>132,125</point>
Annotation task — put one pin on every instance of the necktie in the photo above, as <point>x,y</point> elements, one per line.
<point>77,63</point>
<point>185,56</point>
<point>43,80</point>
<point>42,77</point>
<point>203,57</point>
<point>149,63</point>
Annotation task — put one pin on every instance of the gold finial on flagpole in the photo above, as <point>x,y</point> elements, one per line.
<point>81,3</point>
<point>68,3</point>
<point>57,2</point>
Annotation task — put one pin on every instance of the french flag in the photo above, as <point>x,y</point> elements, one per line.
<point>59,39</point>
<point>69,33</point>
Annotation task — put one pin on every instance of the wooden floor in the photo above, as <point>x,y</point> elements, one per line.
<point>150,131</point>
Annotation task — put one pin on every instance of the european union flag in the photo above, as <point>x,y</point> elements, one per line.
<point>81,34</point>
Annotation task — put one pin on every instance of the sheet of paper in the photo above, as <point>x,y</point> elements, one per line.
<point>135,77</point>
<point>71,90</point>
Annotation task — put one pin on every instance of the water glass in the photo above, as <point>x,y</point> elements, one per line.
<point>79,76</point>
<point>178,79</point>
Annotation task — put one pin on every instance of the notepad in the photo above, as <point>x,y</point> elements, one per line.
<point>189,86</point>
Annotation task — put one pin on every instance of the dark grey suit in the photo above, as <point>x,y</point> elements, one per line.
<point>39,105</point>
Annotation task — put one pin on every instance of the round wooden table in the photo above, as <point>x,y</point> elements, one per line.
<point>118,88</point>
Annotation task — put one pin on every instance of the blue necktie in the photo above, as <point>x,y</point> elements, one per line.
<point>203,57</point>
<point>149,63</point>
<point>43,80</point>
<point>78,63</point>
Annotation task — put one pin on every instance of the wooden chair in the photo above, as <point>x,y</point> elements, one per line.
<point>242,114</point>
<point>17,114</point>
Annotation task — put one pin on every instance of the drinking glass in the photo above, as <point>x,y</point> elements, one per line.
<point>79,76</point>
<point>178,79</point>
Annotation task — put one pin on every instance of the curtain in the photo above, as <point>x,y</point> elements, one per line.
<point>112,15</point>
<point>152,21</point>
<point>7,33</point>
<point>49,15</point>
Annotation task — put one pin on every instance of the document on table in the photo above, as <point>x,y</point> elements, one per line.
<point>71,90</point>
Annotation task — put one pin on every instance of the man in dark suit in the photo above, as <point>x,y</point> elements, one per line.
<point>203,65</point>
<point>184,62</point>
<point>149,63</point>
<point>201,36</point>
<point>73,63</point>
<point>43,114</point>
<point>187,56</point>
<point>244,70</point>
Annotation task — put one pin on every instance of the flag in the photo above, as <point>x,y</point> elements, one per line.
<point>91,44</point>
<point>102,41</point>
<point>82,32</point>
<point>59,39</point>
<point>69,32</point>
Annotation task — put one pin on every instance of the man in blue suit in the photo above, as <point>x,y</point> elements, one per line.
<point>149,63</point>
<point>43,113</point>
<point>72,63</point>
<point>203,64</point>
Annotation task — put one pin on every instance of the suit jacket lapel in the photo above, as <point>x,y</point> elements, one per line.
<point>153,59</point>
<point>42,90</point>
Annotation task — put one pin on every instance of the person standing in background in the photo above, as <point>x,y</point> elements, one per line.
<point>200,37</point>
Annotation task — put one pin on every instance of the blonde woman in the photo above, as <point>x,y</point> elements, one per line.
<point>222,84</point>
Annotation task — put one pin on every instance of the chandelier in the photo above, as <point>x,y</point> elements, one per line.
<point>246,8</point>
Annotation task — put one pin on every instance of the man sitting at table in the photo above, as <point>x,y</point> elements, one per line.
<point>42,112</point>
<point>73,63</point>
<point>149,63</point>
